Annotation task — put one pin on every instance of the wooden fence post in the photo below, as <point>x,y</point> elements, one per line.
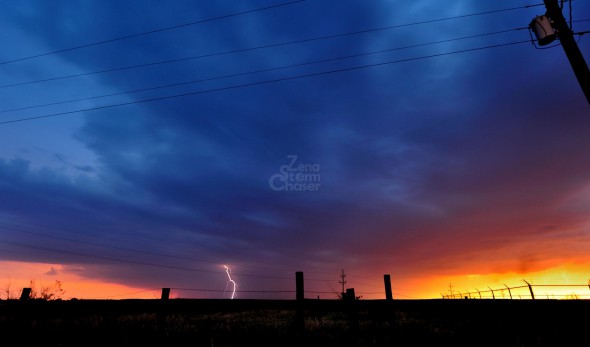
<point>530,289</point>
<point>388,294</point>
<point>165,293</point>
<point>350,305</point>
<point>509,292</point>
<point>299,288</point>
<point>299,307</point>
<point>350,294</point>
<point>25,294</point>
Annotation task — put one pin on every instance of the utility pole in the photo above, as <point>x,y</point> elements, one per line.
<point>566,37</point>
<point>343,282</point>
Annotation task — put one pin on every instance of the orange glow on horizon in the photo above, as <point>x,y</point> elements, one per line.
<point>565,274</point>
<point>18,275</point>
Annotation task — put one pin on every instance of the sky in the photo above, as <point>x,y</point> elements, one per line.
<point>274,137</point>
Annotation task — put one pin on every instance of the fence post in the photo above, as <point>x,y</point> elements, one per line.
<point>509,292</point>
<point>478,292</point>
<point>388,294</point>
<point>350,307</point>
<point>350,294</point>
<point>165,293</point>
<point>493,296</point>
<point>299,286</point>
<point>25,294</point>
<point>530,289</point>
<point>299,308</point>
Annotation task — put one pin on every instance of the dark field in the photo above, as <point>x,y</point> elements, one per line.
<point>186,322</point>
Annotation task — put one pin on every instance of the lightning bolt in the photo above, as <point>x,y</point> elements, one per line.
<point>230,280</point>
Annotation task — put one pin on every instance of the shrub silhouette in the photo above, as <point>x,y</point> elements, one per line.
<point>46,292</point>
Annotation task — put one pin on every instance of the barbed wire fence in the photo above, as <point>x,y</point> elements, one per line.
<point>27,293</point>
<point>526,291</point>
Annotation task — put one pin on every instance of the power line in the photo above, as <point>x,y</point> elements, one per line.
<point>200,260</point>
<point>65,230</point>
<point>140,262</point>
<point>98,244</point>
<point>135,262</point>
<point>237,291</point>
<point>126,294</point>
<point>150,32</point>
<point>319,292</point>
<point>174,267</point>
<point>405,296</point>
<point>259,83</point>
<point>264,70</point>
<point>105,258</point>
<point>260,47</point>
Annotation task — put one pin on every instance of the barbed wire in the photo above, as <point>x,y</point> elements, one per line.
<point>530,286</point>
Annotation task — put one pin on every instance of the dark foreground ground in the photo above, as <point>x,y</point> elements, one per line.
<point>185,322</point>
